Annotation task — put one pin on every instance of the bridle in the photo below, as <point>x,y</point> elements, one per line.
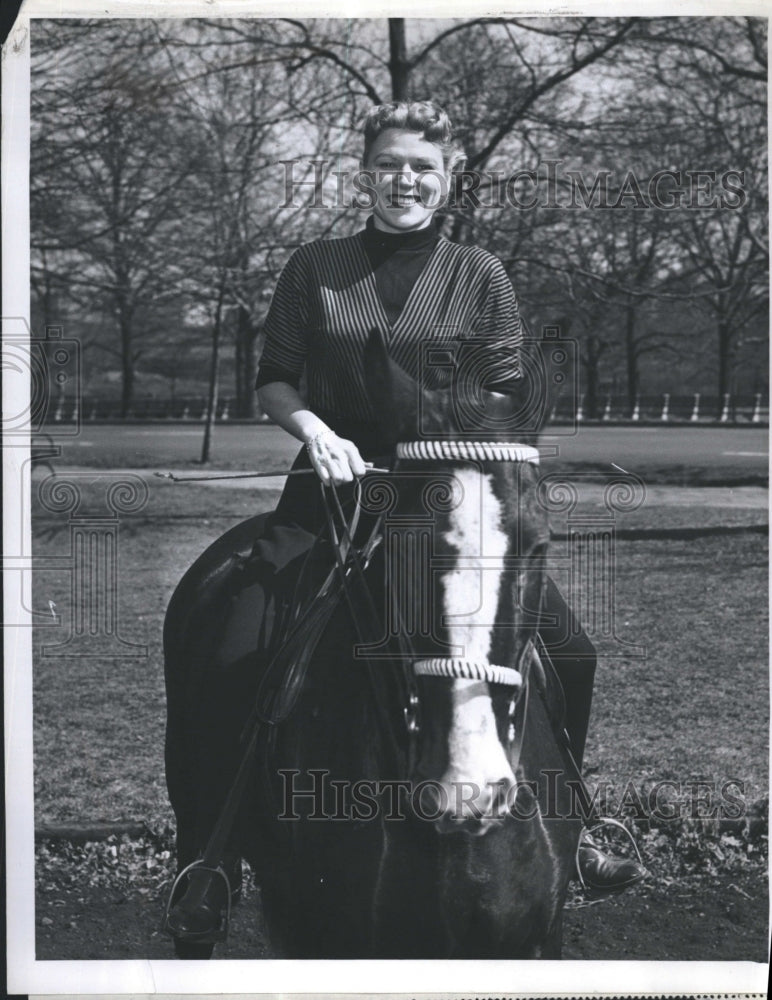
<point>350,566</point>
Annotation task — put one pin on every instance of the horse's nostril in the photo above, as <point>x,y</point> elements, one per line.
<point>468,806</point>
<point>472,827</point>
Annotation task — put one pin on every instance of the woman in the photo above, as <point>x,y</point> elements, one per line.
<point>400,276</point>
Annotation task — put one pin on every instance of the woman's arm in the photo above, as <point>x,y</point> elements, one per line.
<point>501,328</point>
<point>335,459</point>
<point>285,406</point>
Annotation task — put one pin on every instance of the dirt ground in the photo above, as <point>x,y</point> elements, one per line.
<point>697,918</point>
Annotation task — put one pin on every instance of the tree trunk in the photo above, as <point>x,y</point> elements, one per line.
<point>127,357</point>
<point>238,373</point>
<point>214,372</point>
<point>591,362</point>
<point>458,233</point>
<point>724,361</point>
<point>399,68</point>
<point>51,316</point>
<point>631,358</point>
<point>246,367</point>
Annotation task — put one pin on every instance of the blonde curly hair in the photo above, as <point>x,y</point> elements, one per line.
<point>425,117</point>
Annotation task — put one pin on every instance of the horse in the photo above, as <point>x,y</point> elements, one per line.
<point>412,799</point>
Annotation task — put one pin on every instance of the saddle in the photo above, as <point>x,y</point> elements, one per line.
<point>197,598</point>
<point>302,616</point>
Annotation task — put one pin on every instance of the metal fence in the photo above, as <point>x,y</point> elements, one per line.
<point>666,407</point>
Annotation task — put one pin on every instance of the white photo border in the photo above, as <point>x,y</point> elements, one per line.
<point>317,978</point>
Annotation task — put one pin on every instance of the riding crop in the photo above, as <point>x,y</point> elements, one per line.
<point>248,475</point>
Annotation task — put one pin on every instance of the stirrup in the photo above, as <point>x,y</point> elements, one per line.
<point>203,937</point>
<point>596,825</point>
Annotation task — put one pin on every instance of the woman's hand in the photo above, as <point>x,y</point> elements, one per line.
<point>335,459</point>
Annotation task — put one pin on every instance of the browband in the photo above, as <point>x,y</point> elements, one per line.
<point>492,451</point>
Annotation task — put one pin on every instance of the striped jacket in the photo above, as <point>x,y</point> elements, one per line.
<point>326,302</point>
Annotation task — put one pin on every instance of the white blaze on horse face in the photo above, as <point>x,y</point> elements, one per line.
<point>478,781</point>
<point>471,588</point>
<point>476,757</point>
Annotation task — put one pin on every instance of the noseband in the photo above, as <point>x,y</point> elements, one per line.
<point>483,451</point>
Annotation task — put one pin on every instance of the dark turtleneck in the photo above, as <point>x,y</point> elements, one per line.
<point>397,259</point>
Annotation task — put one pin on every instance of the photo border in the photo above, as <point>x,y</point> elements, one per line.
<point>316,978</point>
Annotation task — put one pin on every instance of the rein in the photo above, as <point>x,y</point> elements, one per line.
<point>356,569</point>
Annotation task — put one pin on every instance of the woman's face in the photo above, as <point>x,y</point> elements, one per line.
<point>409,181</point>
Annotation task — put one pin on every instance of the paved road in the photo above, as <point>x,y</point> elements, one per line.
<point>742,451</point>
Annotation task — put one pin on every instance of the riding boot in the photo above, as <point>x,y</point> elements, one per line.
<point>202,897</point>
<point>574,658</point>
<point>577,677</point>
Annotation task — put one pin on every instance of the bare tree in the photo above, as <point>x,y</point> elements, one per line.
<point>715,87</point>
<point>108,183</point>
<point>185,184</point>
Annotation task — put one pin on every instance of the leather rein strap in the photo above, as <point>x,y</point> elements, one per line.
<point>274,704</point>
<point>355,572</point>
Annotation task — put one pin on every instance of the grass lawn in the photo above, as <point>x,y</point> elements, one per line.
<point>681,694</point>
<point>694,705</point>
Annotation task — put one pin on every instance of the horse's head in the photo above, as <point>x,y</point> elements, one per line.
<point>465,561</point>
